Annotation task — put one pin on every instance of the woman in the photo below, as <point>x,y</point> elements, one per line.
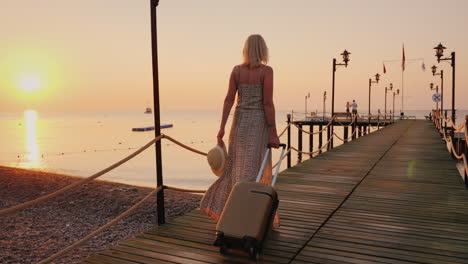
<point>253,125</point>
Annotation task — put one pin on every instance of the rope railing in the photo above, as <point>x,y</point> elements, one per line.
<point>465,165</point>
<point>50,196</point>
<point>284,130</point>
<point>177,189</point>
<point>284,156</point>
<point>349,137</point>
<point>313,152</point>
<point>101,229</point>
<point>350,124</point>
<point>183,145</point>
<point>449,140</point>
<point>317,132</point>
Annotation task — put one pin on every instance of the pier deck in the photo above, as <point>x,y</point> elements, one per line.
<point>393,196</point>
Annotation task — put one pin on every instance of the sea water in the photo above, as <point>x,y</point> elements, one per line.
<point>83,143</point>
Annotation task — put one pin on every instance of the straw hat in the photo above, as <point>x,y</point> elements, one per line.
<point>217,158</point>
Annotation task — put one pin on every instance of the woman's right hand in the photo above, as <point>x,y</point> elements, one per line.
<point>274,140</point>
<point>220,137</point>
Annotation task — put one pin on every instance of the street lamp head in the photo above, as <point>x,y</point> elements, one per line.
<point>398,91</point>
<point>431,85</point>
<point>391,86</point>
<point>434,69</point>
<point>345,55</point>
<point>439,51</point>
<point>377,77</point>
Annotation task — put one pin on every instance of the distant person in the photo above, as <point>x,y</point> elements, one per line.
<point>253,126</point>
<point>348,105</point>
<point>354,105</point>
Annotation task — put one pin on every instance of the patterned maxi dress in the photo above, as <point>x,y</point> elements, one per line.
<point>248,141</point>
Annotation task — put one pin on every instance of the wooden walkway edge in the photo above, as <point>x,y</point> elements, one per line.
<point>393,196</point>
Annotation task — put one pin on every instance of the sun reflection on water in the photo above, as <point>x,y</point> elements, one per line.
<point>32,156</point>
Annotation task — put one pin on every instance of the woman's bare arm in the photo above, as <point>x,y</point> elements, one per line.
<point>269,106</point>
<point>228,103</point>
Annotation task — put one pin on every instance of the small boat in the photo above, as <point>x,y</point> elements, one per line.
<point>138,129</point>
<point>148,110</point>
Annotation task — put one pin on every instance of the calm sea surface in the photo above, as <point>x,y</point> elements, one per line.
<point>83,143</point>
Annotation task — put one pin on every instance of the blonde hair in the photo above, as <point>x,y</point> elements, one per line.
<point>255,51</point>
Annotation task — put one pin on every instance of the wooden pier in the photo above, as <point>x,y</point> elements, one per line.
<point>392,196</point>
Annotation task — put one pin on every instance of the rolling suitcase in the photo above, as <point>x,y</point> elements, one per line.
<point>248,213</point>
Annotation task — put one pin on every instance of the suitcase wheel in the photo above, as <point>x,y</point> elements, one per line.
<point>223,249</point>
<point>219,241</point>
<point>254,253</point>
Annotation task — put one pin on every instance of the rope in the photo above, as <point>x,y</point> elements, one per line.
<point>183,145</point>
<point>354,120</point>
<point>183,190</point>
<point>349,137</point>
<point>466,136</point>
<point>284,130</point>
<point>284,156</point>
<point>47,197</point>
<point>318,132</point>
<point>313,152</point>
<point>465,163</point>
<point>102,228</point>
<point>454,152</point>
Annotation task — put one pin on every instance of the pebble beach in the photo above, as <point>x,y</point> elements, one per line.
<point>35,233</point>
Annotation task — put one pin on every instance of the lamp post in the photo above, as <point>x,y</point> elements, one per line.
<point>387,89</point>
<point>394,93</point>
<point>157,118</point>
<point>345,56</point>
<point>439,53</point>
<point>431,85</point>
<point>306,97</point>
<point>434,73</point>
<point>377,78</point>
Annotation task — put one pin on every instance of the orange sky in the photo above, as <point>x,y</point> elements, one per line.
<point>95,54</point>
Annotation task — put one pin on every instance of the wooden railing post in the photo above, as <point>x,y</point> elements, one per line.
<point>345,134</point>
<point>320,139</point>
<point>311,139</point>
<point>299,144</point>
<point>466,139</point>
<point>445,122</point>
<point>353,129</point>
<point>289,139</point>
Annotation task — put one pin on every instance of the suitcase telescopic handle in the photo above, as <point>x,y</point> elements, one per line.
<point>281,145</point>
<point>262,168</point>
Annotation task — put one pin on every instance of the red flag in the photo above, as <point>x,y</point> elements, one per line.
<point>403,59</point>
<point>384,69</point>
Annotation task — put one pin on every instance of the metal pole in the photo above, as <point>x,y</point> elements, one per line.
<point>311,139</point>
<point>368,113</point>
<point>393,113</point>
<point>385,114</point>
<point>289,139</point>
<point>333,106</point>
<point>320,139</point>
<point>441,93</point>
<point>157,113</point>
<point>437,103</point>
<point>299,144</point>
<point>453,93</point>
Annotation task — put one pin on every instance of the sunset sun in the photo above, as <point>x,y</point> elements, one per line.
<point>30,83</point>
